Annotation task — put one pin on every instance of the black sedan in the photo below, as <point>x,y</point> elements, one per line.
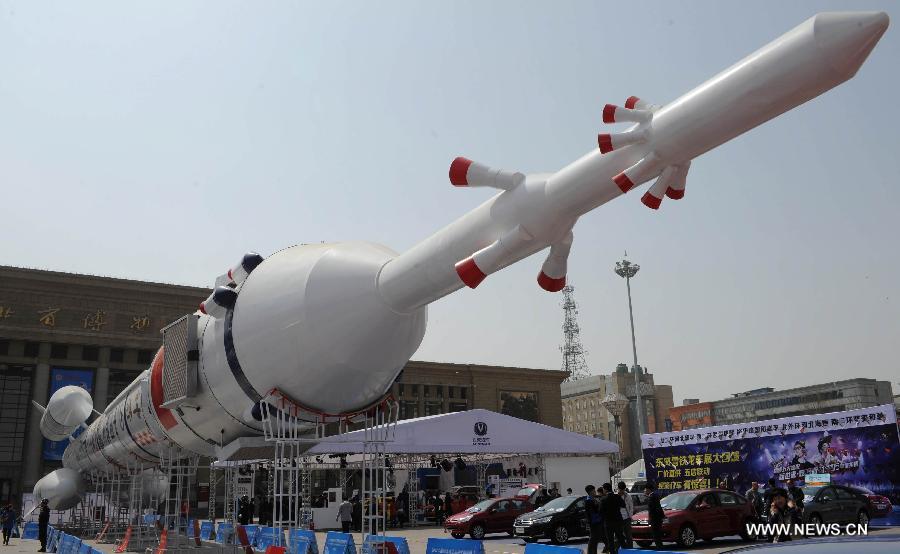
<point>835,504</point>
<point>558,520</point>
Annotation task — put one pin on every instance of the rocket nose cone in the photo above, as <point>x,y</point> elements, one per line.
<point>847,38</point>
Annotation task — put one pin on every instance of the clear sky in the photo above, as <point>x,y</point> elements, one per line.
<point>162,140</point>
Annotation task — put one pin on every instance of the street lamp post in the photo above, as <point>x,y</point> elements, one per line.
<point>627,270</point>
<point>616,403</point>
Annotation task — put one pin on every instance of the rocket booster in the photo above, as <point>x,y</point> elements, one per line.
<point>330,326</point>
<point>536,211</point>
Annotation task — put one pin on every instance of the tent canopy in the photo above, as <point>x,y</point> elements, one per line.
<point>472,432</point>
<point>635,472</point>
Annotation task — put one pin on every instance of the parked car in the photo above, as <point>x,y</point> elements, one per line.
<point>835,504</point>
<point>558,520</point>
<point>881,505</point>
<point>495,515</point>
<point>640,501</point>
<point>701,514</point>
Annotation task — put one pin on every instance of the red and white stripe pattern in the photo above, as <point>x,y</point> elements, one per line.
<point>670,183</point>
<point>637,174</point>
<point>613,141</point>
<point>618,114</point>
<point>466,173</point>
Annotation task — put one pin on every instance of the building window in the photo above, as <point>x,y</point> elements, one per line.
<point>450,391</point>
<point>117,355</point>
<point>433,407</point>
<point>426,391</point>
<point>439,389</point>
<point>118,380</point>
<point>520,404</point>
<point>463,392</point>
<point>32,349</point>
<point>409,409</point>
<point>414,390</point>
<point>457,406</point>
<point>15,390</point>
<point>59,351</point>
<point>90,353</point>
<point>400,388</point>
<point>145,356</point>
<point>4,347</point>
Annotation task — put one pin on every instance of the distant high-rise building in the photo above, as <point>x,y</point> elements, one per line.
<point>583,411</point>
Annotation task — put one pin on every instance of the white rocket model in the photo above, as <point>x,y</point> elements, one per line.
<point>330,326</point>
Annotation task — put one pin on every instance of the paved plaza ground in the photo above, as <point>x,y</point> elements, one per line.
<point>418,537</point>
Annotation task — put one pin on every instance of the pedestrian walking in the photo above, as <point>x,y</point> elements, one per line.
<point>345,515</point>
<point>782,512</point>
<point>8,522</point>
<point>594,520</point>
<point>629,511</point>
<point>43,523</point>
<point>796,494</point>
<point>655,513</point>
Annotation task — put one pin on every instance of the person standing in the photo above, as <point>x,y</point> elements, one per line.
<point>629,511</point>
<point>345,515</point>
<point>448,504</point>
<point>783,513</point>
<point>756,500</point>
<point>594,520</point>
<point>655,513</point>
<point>796,494</point>
<point>8,521</point>
<point>43,523</point>
<point>772,490</point>
<point>437,504</point>
<point>612,508</point>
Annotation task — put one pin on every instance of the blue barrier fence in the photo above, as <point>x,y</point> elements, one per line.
<point>224,533</point>
<point>339,543</point>
<point>206,530</point>
<point>268,536</point>
<point>454,546</point>
<point>31,530</point>
<point>302,541</point>
<point>549,549</point>
<point>399,542</point>
<point>891,520</point>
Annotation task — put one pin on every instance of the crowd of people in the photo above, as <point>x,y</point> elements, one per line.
<point>777,505</point>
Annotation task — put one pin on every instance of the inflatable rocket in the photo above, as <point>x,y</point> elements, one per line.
<point>330,326</point>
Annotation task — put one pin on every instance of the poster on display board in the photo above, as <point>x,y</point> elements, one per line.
<point>856,448</point>
<point>59,378</point>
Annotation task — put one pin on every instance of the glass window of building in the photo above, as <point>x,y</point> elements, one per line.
<point>4,347</point>
<point>463,392</point>
<point>59,351</point>
<point>433,407</point>
<point>450,391</point>
<point>90,353</point>
<point>117,355</point>
<point>457,406</point>
<point>426,391</point>
<point>414,390</point>
<point>15,390</point>
<point>520,404</point>
<point>145,356</point>
<point>31,349</point>
<point>439,390</point>
<point>400,389</point>
<point>409,409</point>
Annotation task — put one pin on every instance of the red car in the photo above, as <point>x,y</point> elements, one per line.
<point>880,505</point>
<point>700,514</point>
<point>488,516</point>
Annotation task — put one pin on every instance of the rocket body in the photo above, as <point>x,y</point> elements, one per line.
<point>330,326</point>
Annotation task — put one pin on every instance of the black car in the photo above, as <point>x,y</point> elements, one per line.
<point>835,504</point>
<point>558,520</point>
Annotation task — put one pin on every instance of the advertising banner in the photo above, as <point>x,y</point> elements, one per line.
<point>59,378</point>
<point>856,448</point>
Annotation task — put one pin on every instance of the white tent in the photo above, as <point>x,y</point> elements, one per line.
<point>472,432</point>
<point>633,473</point>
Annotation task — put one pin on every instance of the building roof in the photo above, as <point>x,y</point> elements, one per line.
<point>471,432</point>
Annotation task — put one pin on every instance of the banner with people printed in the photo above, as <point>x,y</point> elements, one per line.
<point>856,447</point>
